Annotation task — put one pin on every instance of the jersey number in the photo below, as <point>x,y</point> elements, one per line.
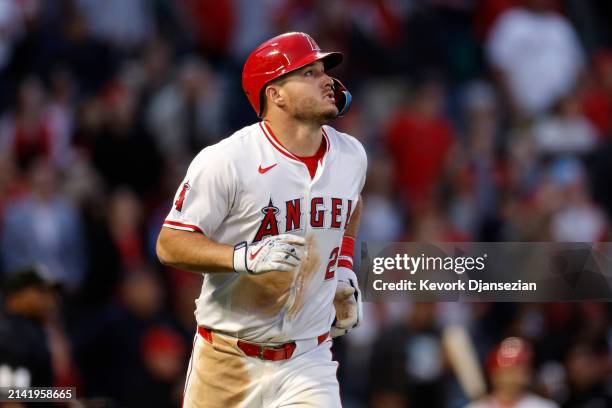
<point>330,272</point>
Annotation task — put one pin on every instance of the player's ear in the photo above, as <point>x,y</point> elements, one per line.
<point>274,95</point>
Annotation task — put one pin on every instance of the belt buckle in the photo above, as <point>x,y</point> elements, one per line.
<point>260,352</point>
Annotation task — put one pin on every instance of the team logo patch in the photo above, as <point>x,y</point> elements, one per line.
<point>178,204</point>
<point>269,224</point>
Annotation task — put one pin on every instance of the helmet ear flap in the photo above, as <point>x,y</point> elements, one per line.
<point>342,97</point>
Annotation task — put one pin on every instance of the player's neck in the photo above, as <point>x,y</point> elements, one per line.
<point>507,398</point>
<point>301,139</point>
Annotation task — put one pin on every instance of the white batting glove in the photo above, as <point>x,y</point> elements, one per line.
<point>347,301</point>
<point>277,253</point>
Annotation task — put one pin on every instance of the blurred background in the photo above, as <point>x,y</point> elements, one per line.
<point>484,120</point>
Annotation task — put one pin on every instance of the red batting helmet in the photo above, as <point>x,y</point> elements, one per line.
<point>283,54</point>
<point>511,352</point>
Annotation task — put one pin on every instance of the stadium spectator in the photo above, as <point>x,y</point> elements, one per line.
<point>163,352</point>
<point>566,132</point>
<point>28,305</point>
<point>124,24</point>
<point>578,219</point>
<point>597,97</point>
<point>119,139</point>
<point>382,217</point>
<point>536,56</point>
<point>407,368</point>
<point>587,374</point>
<point>187,115</point>
<point>89,60</point>
<point>43,227</point>
<point>418,138</point>
<point>11,27</point>
<point>108,342</point>
<point>479,173</point>
<point>125,226</point>
<point>213,24</point>
<point>8,183</point>
<point>35,129</point>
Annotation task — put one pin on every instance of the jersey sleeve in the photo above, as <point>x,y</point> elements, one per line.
<point>205,196</point>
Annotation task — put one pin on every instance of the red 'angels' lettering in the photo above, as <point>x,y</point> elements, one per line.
<point>323,213</point>
<point>316,215</point>
<point>294,215</point>
<point>178,204</point>
<point>336,211</point>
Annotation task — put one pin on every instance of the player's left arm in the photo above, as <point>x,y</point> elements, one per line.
<point>352,229</point>
<point>347,301</point>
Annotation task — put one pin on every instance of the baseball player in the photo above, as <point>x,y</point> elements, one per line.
<point>509,367</point>
<point>269,216</point>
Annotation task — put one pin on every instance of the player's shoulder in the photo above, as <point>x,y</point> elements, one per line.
<point>345,143</point>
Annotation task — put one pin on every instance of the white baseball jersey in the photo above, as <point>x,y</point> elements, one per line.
<point>248,187</point>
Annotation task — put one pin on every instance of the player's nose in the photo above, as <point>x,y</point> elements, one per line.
<point>328,82</point>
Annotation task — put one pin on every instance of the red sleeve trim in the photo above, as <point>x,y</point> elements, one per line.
<point>180,225</point>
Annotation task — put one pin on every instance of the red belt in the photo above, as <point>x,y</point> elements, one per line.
<point>282,351</point>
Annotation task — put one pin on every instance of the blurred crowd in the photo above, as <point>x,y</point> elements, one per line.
<point>484,120</point>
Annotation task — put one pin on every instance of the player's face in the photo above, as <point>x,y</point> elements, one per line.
<point>515,378</point>
<point>309,95</point>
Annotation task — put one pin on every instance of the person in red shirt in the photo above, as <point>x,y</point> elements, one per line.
<point>418,139</point>
<point>597,100</point>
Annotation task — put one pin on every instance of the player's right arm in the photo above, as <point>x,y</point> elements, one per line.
<point>193,251</point>
<point>202,203</point>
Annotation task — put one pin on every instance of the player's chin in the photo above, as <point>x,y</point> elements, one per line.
<point>329,113</point>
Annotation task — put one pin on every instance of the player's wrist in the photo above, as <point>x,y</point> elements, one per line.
<point>346,275</point>
<point>345,259</point>
<point>240,258</point>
